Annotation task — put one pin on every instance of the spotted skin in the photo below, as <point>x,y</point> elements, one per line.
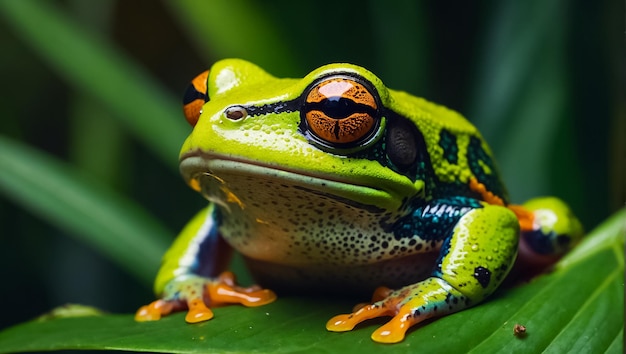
<point>447,141</point>
<point>472,263</point>
<point>336,184</point>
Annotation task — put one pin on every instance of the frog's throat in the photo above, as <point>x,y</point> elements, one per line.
<point>199,168</point>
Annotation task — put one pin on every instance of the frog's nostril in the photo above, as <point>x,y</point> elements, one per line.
<point>236,113</point>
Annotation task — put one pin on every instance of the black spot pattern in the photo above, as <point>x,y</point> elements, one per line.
<point>311,236</point>
<point>447,141</point>
<point>475,155</point>
<point>279,107</point>
<point>483,275</point>
<point>191,94</point>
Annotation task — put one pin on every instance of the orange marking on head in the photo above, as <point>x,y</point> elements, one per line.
<point>195,97</point>
<point>487,196</point>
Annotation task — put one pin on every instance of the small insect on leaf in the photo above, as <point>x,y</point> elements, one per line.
<point>519,330</point>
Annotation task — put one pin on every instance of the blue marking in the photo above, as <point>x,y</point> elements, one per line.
<point>539,242</point>
<point>209,246</point>
<point>435,220</point>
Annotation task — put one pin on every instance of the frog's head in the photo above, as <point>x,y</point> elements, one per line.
<point>331,133</point>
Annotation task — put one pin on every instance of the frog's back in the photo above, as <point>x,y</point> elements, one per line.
<point>460,161</point>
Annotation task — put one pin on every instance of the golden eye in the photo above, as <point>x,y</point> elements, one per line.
<point>340,110</point>
<point>195,97</point>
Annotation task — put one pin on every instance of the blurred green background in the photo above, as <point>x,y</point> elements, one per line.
<point>96,86</point>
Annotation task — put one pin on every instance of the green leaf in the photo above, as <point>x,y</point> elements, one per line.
<point>91,212</point>
<point>576,308</point>
<point>100,69</point>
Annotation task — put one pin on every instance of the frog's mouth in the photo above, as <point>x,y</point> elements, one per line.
<point>200,169</point>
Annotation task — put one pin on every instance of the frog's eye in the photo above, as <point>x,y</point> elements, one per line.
<point>195,97</point>
<point>340,111</point>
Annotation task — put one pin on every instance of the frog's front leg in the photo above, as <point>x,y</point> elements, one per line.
<point>476,254</point>
<point>188,277</point>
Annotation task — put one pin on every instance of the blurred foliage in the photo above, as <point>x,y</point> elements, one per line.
<point>99,88</point>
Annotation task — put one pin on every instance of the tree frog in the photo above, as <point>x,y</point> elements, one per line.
<point>336,184</point>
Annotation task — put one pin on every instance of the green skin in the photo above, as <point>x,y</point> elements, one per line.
<point>313,218</point>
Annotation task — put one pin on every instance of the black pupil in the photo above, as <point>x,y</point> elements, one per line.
<point>339,107</point>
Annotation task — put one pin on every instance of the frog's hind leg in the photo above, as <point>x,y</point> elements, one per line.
<point>548,230</point>
<point>474,259</point>
<point>432,297</point>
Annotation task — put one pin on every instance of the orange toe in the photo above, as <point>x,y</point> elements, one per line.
<point>198,311</point>
<point>393,331</point>
<point>153,311</point>
<point>347,322</point>
<point>222,293</point>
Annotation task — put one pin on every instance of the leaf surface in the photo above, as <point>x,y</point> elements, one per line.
<point>576,308</point>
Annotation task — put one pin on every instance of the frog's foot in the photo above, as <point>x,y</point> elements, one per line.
<point>408,306</point>
<point>195,292</point>
<point>548,230</point>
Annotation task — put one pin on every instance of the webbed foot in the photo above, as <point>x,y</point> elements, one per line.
<point>194,293</point>
<point>408,306</point>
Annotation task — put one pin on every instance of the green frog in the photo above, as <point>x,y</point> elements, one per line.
<point>336,184</point>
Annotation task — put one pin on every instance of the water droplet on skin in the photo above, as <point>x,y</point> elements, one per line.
<point>474,247</point>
